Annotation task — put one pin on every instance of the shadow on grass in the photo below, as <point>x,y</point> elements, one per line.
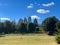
<point>2,36</point>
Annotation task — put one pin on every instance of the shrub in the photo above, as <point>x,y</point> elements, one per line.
<point>58,39</point>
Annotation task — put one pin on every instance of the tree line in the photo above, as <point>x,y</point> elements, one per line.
<point>50,25</point>
<point>23,26</point>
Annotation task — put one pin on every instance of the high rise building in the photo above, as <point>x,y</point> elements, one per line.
<point>29,19</point>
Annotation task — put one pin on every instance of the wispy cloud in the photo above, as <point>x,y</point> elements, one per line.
<point>4,19</point>
<point>30,6</point>
<point>43,11</point>
<point>37,4</point>
<point>48,4</point>
<point>35,16</point>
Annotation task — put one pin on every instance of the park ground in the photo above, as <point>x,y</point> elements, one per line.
<point>27,39</point>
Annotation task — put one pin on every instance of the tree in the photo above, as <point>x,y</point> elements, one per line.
<point>36,25</point>
<point>58,39</point>
<point>31,28</point>
<point>58,28</point>
<point>37,30</point>
<point>58,32</point>
<point>22,28</point>
<point>49,25</point>
<point>18,25</point>
<point>13,26</point>
<point>1,28</point>
<point>7,26</point>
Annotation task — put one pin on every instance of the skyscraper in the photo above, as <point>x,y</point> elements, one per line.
<point>29,19</point>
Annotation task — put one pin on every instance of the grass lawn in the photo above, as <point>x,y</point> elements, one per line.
<point>28,39</point>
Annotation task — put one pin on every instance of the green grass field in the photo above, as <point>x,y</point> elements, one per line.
<point>28,39</point>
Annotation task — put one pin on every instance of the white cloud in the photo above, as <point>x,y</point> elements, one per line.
<point>45,4</point>
<point>4,19</point>
<point>30,6</point>
<point>35,16</point>
<point>48,4</point>
<point>43,11</point>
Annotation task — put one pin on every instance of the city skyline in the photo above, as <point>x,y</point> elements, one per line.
<point>40,9</point>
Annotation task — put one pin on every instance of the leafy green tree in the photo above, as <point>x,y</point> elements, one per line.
<point>13,26</point>
<point>1,28</point>
<point>36,25</point>
<point>58,32</point>
<point>18,25</point>
<point>37,30</point>
<point>23,28</point>
<point>7,26</point>
<point>49,25</point>
<point>58,28</point>
<point>58,39</point>
<point>31,28</point>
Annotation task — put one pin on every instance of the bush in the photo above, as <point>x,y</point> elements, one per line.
<point>58,39</point>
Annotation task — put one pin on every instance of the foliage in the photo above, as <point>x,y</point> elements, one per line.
<point>31,27</point>
<point>1,27</point>
<point>58,28</point>
<point>7,27</point>
<point>27,26</point>
<point>49,24</point>
<point>58,32</point>
<point>58,39</point>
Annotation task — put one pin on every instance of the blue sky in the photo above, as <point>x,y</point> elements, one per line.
<point>40,9</point>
